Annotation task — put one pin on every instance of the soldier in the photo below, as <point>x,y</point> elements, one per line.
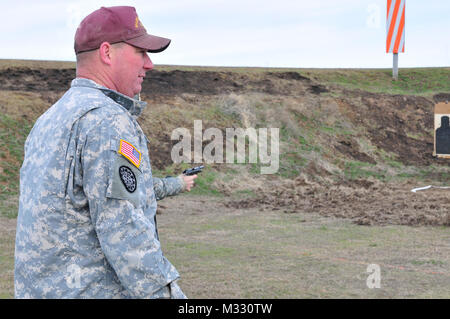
<point>86,226</point>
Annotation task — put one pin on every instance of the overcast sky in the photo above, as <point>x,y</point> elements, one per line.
<point>280,33</point>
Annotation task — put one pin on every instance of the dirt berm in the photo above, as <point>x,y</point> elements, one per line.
<point>344,151</point>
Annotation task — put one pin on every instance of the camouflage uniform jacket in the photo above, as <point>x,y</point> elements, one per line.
<point>86,226</point>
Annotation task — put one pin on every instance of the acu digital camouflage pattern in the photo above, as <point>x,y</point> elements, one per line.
<point>80,232</point>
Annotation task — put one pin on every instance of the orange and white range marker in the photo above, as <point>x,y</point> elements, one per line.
<point>395,26</point>
<point>395,31</point>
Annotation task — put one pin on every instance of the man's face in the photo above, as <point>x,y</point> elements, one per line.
<point>129,69</point>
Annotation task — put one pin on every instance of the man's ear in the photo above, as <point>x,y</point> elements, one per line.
<point>105,52</point>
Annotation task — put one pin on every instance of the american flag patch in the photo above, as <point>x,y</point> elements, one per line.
<point>130,152</point>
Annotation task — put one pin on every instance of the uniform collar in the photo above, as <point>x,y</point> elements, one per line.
<point>134,107</point>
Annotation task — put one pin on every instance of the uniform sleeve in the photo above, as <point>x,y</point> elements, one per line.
<point>168,186</point>
<point>127,236</point>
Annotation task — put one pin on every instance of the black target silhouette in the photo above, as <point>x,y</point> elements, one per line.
<point>443,137</point>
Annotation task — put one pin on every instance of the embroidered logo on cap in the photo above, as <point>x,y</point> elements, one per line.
<point>137,23</point>
<point>130,152</point>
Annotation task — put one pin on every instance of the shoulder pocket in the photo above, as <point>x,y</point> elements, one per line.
<point>124,176</point>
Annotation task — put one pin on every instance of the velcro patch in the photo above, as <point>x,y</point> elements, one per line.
<point>128,178</point>
<point>130,152</point>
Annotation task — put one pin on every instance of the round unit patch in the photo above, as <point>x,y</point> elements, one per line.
<point>128,178</point>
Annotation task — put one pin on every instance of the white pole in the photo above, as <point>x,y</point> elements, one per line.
<point>395,67</point>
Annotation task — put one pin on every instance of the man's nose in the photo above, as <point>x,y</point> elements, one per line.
<point>148,64</point>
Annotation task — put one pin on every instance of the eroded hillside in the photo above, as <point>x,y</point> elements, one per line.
<point>349,140</point>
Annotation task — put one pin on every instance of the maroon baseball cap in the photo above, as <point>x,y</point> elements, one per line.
<point>116,24</point>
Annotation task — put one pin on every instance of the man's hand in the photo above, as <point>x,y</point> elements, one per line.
<point>188,181</point>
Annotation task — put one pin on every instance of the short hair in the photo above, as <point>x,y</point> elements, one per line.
<point>82,57</point>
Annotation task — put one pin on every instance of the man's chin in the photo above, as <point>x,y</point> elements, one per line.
<point>136,94</point>
<point>138,90</point>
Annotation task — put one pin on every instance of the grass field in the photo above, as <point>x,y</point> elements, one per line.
<point>268,254</point>
<point>223,253</point>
